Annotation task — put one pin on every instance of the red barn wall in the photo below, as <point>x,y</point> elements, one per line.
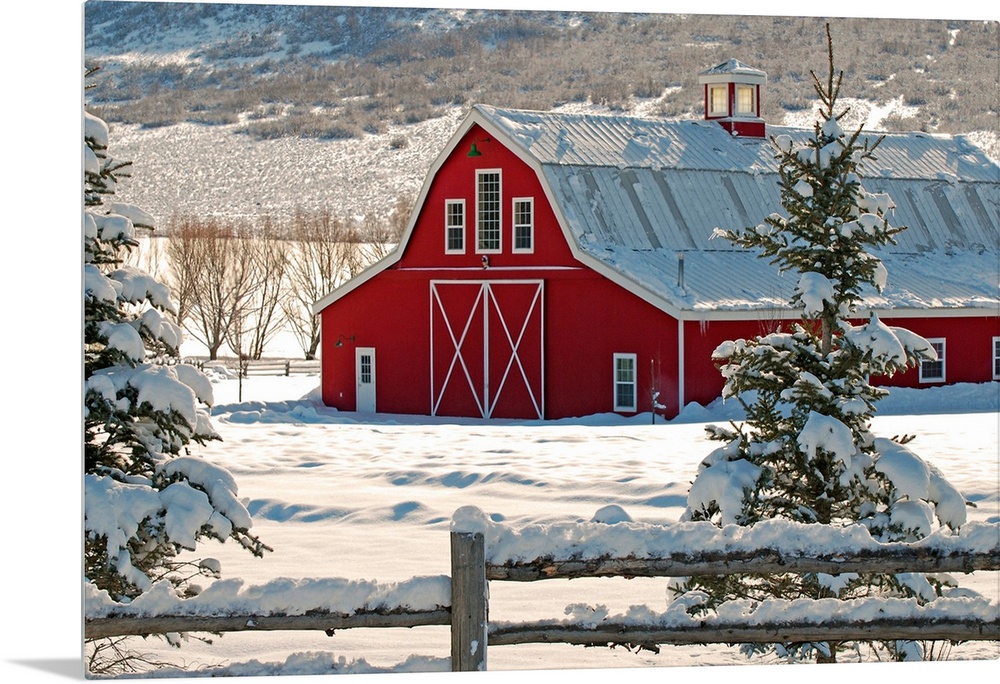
<point>968,348</point>
<point>586,318</point>
<point>702,380</point>
<point>456,180</point>
<point>968,351</point>
<point>589,320</point>
<point>380,314</point>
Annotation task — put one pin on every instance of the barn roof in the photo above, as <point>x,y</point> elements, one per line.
<point>635,194</point>
<point>638,196</point>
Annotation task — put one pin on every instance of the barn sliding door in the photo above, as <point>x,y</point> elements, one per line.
<point>486,349</point>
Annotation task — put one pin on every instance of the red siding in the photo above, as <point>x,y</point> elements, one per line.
<point>587,319</point>
<point>590,319</point>
<point>456,180</point>
<point>702,380</point>
<point>968,351</point>
<point>380,314</point>
<point>968,348</point>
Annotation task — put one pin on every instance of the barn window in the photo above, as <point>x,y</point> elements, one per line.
<point>933,371</point>
<point>745,104</point>
<point>454,226</point>
<point>996,358</point>
<point>718,100</point>
<point>524,225</point>
<point>625,382</point>
<point>487,211</point>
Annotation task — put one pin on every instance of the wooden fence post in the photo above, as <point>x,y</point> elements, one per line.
<point>469,602</point>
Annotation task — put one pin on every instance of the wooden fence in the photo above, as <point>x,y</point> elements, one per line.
<point>472,612</point>
<point>473,628</point>
<point>284,367</point>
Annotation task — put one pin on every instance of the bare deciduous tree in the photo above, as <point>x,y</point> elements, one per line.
<point>378,235</point>
<point>323,257</point>
<point>257,315</point>
<point>214,272</point>
<point>239,283</point>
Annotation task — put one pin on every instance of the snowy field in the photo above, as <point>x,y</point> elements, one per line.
<point>337,495</point>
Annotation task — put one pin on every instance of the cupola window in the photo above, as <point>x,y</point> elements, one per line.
<point>718,101</point>
<point>745,101</point>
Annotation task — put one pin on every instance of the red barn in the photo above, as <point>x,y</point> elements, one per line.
<point>562,265</point>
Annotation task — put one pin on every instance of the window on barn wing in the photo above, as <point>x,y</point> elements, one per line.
<point>996,358</point>
<point>524,225</point>
<point>625,382</point>
<point>934,371</point>
<point>488,212</point>
<point>454,220</point>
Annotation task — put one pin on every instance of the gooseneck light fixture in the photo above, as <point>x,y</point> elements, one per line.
<point>474,151</point>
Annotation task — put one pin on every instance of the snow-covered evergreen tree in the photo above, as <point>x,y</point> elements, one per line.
<point>146,498</point>
<point>806,452</point>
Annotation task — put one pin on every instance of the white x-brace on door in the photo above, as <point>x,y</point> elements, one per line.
<point>487,355</point>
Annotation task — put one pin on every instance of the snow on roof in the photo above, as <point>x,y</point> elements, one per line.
<point>698,145</point>
<point>734,67</point>
<point>636,193</point>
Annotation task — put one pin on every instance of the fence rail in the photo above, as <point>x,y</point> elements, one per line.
<point>473,629</point>
<point>99,628</point>
<point>284,367</point>
<point>893,558</point>
<point>625,634</point>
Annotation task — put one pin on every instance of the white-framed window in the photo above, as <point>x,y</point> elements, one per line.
<point>996,358</point>
<point>488,211</point>
<point>454,226</point>
<point>625,382</point>
<point>524,225</point>
<point>718,100</point>
<point>746,104</point>
<point>933,371</point>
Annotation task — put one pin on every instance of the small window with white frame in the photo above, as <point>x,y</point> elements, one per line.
<point>718,100</point>
<point>524,225</point>
<point>625,382</point>
<point>996,358</point>
<point>454,226</point>
<point>934,371</point>
<point>746,104</point>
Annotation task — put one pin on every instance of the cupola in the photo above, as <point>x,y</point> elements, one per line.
<point>732,97</point>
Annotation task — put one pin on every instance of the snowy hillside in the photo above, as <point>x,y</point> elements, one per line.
<point>237,110</point>
<point>237,176</point>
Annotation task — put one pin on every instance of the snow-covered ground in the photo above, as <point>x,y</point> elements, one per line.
<point>40,507</point>
<point>340,495</point>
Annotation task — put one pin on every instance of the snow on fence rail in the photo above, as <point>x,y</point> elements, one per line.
<point>484,551</point>
<point>282,604</point>
<point>284,367</point>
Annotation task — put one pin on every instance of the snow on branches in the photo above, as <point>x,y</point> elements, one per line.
<point>806,452</point>
<point>146,497</point>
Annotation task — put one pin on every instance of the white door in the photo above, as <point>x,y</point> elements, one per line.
<point>365,369</point>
